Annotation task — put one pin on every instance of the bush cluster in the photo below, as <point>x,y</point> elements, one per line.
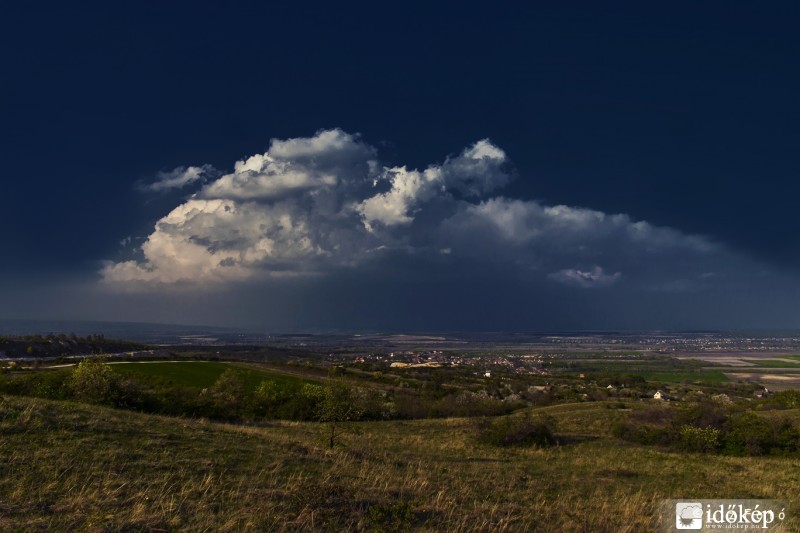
<point>711,427</point>
<point>233,398</point>
<point>229,398</point>
<point>518,431</point>
<point>423,404</point>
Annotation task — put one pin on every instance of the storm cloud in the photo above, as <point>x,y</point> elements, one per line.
<point>322,205</point>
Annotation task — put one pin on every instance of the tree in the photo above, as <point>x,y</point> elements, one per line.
<point>339,404</point>
<point>267,397</point>
<point>225,398</point>
<point>94,382</point>
<point>787,399</point>
<point>305,405</point>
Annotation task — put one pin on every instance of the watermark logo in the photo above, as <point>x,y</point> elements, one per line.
<point>689,515</point>
<point>708,515</point>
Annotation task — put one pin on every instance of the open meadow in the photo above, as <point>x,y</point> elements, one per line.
<point>69,466</point>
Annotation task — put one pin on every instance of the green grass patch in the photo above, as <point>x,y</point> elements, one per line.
<point>200,374</point>
<point>769,363</point>
<point>658,365</point>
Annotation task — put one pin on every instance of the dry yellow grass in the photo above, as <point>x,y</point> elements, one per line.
<point>67,466</point>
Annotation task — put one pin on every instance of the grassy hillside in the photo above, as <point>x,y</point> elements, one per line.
<point>68,466</point>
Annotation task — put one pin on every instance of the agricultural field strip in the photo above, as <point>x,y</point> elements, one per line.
<point>766,376</point>
<point>258,367</point>
<point>204,373</point>
<point>752,369</point>
<point>677,376</point>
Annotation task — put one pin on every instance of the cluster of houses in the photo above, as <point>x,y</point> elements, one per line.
<point>519,364</point>
<point>759,394</point>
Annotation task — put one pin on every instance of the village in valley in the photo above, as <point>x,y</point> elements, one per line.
<point>659,367</point>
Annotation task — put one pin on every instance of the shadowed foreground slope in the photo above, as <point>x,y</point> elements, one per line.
<point>72,466</point>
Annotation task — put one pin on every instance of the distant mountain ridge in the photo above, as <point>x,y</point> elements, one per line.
<point>134,331</point>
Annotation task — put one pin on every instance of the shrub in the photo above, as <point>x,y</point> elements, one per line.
<point>748,434</point>
<point>710,427</point>
<point>268,398</point>
<point>373,404</point>
<point>226,397</point>
<point>466,403</point>
<point>654,415</point>
<point>94,382</point>
<point>178,400</point>
<point>787,399</point>
<point>409,406</point>
<point>639,433</point>
<point>303,405</point>
<point>518,431</point>
<point>703,414</point>
<point>695,439</point>
<point>722,399</point>
<point>51,384</point>
<point>338,404</point>
<point>787,438</point>
<point>391,517</point>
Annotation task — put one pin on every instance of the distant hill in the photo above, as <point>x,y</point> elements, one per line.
<point>52,345</point>
<point>150,333</point>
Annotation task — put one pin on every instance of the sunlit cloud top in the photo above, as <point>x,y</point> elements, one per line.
<point>310,206</point>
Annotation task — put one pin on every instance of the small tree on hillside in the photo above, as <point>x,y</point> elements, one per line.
<point>226,397</point>
<point>268,396</point>
<point>94,382</point>
<point>339,404</point>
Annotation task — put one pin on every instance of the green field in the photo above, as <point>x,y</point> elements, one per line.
<point>771,363</point>
<point>657,369</point>
<point>66,466</point>
<point>708,376</point>
<point>200,374</point>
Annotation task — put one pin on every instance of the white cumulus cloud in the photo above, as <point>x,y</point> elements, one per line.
<point>315,204</point>
<point>179,178</point>
<point>296,166</point>
<point>479,169</point>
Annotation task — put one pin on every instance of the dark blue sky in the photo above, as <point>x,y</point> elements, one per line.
<point>683,115</point>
